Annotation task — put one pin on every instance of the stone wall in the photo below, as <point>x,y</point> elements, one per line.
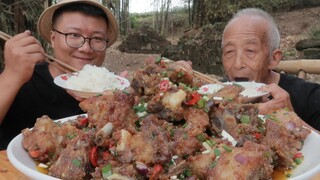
<point>310,48</point>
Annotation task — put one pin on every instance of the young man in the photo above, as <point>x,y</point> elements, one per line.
<point>79,32</point>
<point>250,45</point>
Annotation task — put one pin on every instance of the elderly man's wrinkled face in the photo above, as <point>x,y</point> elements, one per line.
<point>246,55</point>
<point>82,24</point>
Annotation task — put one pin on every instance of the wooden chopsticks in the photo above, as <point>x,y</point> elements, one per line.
<point>51,60</point>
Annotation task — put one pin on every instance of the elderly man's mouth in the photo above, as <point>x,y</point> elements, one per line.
<point>241,79</point>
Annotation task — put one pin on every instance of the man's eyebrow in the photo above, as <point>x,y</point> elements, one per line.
<point>227,43</point>
<point>252,41</point>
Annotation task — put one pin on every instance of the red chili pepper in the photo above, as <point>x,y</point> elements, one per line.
<point>64,78</point>
<point>164,85</point>
<point>195,97</point>
<point>257,135</point>
<point>162,64</point>
<point>297,155</point>
<point>111,144</point>
<point>84,121</point>
<point>34,153</point>
<point>105,155</point>
<point>93,156</point>
<point>156,170</point>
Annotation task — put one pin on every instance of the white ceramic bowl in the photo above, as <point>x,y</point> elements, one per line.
<point>310,166</point>
<point>251,90</point>
<point>61,81</point>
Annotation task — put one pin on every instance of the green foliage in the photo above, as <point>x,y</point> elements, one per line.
<point>134,21</point>
<point>222,10</point>
<point>6,17</point>
<point>314,33</point>
<point>30,9</point>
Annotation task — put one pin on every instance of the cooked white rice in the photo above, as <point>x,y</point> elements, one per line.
<point>94,79</point>
<point>251,89</point>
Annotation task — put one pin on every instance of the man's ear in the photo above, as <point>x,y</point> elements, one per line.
<point>52,36</point>
<point>276,58</point>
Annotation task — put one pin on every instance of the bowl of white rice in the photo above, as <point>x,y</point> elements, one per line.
<point>91,81</point>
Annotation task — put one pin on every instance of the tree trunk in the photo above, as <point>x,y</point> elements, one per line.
<point>156,15</point>
<point>189,13</point>
<point>166,17</point>
<point>124,22</point>
<point>19,18</point>
<point>200,13</point>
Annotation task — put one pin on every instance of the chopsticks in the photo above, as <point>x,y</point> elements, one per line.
<point>206,78</point>
<point>51,60</point>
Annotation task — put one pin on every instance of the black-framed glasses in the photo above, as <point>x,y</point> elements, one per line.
<point>76,40</point>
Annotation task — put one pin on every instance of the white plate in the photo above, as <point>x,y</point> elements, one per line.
<point>20,159</point>
<point>61,81</point>
<point>251,89</point>
<point>309,167</point>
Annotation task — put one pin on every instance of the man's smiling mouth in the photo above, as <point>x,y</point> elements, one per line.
<point>241,79</point>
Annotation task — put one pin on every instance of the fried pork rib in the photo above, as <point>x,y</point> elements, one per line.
<point>252,161</point>
<point>73,161</point>
<point>47,139</point>
<point>161,128</point>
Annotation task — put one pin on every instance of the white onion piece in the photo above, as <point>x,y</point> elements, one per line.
<point>118,177</point>
<point>226,135</point>
<point>103,133</point>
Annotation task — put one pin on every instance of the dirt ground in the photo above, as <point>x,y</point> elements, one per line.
<point>117,61</point>
<point>293,25</point>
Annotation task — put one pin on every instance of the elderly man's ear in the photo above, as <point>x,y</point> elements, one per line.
<point>276,58</point>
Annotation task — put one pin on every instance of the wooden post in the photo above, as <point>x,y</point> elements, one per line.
<point>310,66</point>
<point>302,74</point>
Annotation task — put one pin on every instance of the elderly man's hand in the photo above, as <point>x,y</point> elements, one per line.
<point>280,99</point>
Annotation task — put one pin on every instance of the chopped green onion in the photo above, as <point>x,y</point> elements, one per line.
<point>158,59</point>
<point>268,116</point>
<point>76,162</point>
<point>245,119</point>
<point>164,73</point>
<point>125,92</point>
<point>217,152</point>
<point>201,137</point>
<point>210,142</point>
<point>180,74</point>
<point>228,149</point>
<point>106,171</point>
<point>298,160</point>
<point>201,103</point>
<point>213,164</point>
<point>185,125</point>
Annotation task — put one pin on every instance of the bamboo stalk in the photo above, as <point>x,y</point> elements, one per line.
<point>310,66</point>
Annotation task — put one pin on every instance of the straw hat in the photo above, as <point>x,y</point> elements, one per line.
<point>45,20</point>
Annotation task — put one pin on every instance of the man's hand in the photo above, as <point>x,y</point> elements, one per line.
<point>280,99</point>
<point>78,98</point>
<point>21,53</point>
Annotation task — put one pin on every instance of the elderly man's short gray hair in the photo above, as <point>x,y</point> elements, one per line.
<point>273,33</point>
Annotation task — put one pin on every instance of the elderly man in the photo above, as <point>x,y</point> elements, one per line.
<point>251,50</point>
<point>79,33</point>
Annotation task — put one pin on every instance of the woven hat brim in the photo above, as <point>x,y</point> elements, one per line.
<point>45,20</point>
